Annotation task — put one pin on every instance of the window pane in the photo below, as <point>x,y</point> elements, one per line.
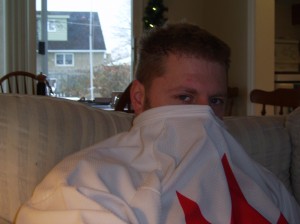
<point>69,59</point>
<point>51,26</point>
<point>60,59</point>
<point>95,38</point>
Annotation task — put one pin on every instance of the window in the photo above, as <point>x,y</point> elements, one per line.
<point>51,26</point>
<point>98,34</point>
<point>64,59</point>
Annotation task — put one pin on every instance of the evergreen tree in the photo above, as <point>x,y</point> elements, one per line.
<point>154,14</point>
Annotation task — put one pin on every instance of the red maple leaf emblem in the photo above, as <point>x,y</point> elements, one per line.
<point>241,212</point>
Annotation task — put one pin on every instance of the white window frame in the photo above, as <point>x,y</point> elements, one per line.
<point>64,59</point>
<point>51,25</point>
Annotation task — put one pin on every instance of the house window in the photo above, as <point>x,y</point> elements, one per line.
<point>64,59</point>
<point>98,33</point>
<point>51,25</point>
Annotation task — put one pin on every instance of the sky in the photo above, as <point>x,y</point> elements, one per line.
<point>114,15</point>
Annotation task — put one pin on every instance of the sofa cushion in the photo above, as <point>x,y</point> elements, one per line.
<point>266,140</point>
<point>36,132</point>
<point>293,125</point>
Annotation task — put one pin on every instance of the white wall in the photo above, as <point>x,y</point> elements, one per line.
<point>264,44</point>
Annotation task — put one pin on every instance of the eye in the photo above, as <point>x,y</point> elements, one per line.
<point>185,98</point>
<point>217,101</point>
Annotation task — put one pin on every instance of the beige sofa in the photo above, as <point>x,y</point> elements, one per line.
<point>36,132</point>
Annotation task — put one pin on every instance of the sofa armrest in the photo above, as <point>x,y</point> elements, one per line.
<point>293,126</point>
<point>266,140</point>
<point>36,132</point>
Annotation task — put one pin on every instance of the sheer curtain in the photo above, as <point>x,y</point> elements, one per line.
<point>2,38</point>
<point>20,38</point>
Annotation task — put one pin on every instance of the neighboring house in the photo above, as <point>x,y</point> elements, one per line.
<point>70,45</point>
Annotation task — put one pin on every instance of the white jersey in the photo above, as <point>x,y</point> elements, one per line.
<point>176,165</point>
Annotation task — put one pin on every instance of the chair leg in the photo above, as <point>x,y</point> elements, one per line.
<point>263,112</point>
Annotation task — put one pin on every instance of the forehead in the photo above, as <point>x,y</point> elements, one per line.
<point>194,69</point>
<point>192,75</point>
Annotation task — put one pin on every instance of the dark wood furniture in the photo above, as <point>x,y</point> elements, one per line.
<point>282,98</point>
<point>124,103</point>
<point>232,94</point>
<point>22,82</point>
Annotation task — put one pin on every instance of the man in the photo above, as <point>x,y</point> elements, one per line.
<point>177,164</point>
<point>172,71</point>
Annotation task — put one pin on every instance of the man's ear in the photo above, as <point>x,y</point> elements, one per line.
<point>137,96</point>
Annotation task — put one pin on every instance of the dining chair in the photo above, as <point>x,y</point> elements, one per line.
<point>124,102</point>
<point>22,82</point>
<point>282,98</point>
<point>232,94</point>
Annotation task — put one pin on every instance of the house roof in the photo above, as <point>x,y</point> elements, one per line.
<point>78,32</point>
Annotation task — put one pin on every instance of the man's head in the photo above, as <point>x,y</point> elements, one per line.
<point>180,64</point>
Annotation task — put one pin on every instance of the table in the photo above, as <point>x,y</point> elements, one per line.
<point>103,106</point>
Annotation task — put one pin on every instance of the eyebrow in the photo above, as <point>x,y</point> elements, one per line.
<point>195,91</point>
<point>184,88</point>
<point>221,94</point>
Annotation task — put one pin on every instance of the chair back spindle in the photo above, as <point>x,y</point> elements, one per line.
<point>30,83</point>
<point>282,98</point>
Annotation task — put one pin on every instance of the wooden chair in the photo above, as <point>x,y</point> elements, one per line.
<point>232,94</point>
<point>124,103</point>
<point>22,82</point>
<point>289,98</point>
